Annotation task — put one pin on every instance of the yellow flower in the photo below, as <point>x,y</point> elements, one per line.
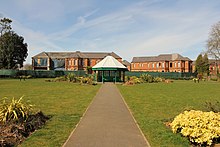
<point>200,127</point>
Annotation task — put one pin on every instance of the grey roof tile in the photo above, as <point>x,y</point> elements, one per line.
<point>77,54</point>
<point>161,57</point>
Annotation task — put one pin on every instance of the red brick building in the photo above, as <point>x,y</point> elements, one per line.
<point>162,63</point>
<point>214,66</point>
<point>69,60</point>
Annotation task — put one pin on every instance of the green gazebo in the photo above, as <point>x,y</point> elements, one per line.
<point>109,70</point>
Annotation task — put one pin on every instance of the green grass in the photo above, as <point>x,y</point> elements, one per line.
<point>65,102</point>
<point>154,104</point>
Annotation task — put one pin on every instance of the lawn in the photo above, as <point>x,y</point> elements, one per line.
<point>65,102</point>
<point>154,104</point>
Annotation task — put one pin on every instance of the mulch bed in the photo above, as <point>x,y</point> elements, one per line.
<point>13,133</point>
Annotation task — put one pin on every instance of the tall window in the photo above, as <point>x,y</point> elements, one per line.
<point>38,61</point>
<point>82,62</point>
<point>75,62</point>
<point>179,64</point>
<point>162,65</point>
<point>153,65</point>
<point>171,65</point>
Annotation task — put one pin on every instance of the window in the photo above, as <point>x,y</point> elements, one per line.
<point>162,65</point>
<point>70,62</point>
<point>75,62</point>
<point>171,65</point>
<point>153,65</point>
<point>148,65</point>
<point>175,64</point>
<point>38,61</point>
<point>82,62</point>
<point>179,64</point>
<point>157,64</point>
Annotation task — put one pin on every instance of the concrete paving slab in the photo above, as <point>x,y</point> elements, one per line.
<point>107,123</point>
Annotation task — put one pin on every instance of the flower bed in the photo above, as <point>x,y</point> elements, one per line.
<point>202,128</point>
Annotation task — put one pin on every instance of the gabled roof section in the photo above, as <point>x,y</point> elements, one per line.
<point>77,54</point>
<point>41,55</point>
<point>99,55</point>
<point>161,57</point>
<point>126,63</point>
<point>109,62</point>
<point>144,59</point>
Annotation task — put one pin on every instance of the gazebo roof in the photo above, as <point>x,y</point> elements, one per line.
<point>109,63</point>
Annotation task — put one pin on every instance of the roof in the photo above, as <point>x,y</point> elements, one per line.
<point>126,63</point>
<point>77,54</point>
<point>109,62</point>
<point>211,62</point>
<point>161,57</point>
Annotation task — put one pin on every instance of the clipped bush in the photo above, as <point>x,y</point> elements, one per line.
<point>201,128</point>
<point>14,110</point>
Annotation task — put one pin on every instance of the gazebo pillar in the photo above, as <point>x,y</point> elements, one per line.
<point>115,76</point>
<point>123,76</point>
<point>102,76</point>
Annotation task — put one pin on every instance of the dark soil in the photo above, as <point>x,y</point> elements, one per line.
<point>13,133</point>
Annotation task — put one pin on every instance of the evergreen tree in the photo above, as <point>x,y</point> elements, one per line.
<point>206,64</point>
<point>199,64</point>
<point>202,64</point>
<point>13,50</point>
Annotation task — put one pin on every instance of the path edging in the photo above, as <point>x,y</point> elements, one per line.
<point>81,118</point>
<point>148,144</point>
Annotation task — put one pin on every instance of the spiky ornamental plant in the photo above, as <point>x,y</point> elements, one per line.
<point>14,110</point>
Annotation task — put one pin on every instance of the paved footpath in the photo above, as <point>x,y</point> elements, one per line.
<point>107,123</point>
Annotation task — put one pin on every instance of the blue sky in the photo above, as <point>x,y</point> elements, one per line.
<point>127,27</point>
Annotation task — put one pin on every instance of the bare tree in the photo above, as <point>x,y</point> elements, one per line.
<point>213,43</point>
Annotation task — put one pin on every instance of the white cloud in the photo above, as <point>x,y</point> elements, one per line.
<point>135,29</point>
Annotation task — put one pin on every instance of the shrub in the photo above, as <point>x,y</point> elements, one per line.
<point>12,134</point>
<point>127,78</point>
<point>86,80</point>
<point>136,80</point>
<point>201,128</point>
<point>214,79</point>
<point>59,79</point>
<point>147,78</point>
<point>71,77</point>
<point>14,110</point>
<point>158,79</point>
